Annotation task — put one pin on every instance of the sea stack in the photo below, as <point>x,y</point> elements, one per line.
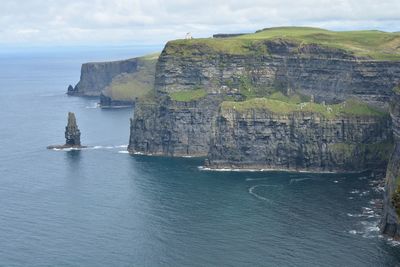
<point>72,135</point>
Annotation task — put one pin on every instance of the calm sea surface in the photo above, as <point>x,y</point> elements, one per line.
<point>102,207</point>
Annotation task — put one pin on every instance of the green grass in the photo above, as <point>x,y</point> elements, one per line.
<point>287,106</point>
<point>296,98</point>
<point>188,95</point>
<point>371,44</point>
<point>129,86</point>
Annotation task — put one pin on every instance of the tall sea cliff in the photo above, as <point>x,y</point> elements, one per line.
<point>390,223</point>
<point>277,99</point>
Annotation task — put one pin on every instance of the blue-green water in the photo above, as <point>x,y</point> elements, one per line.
<point>102,207</point>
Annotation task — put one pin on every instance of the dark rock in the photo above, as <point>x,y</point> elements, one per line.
<point>259,139</point>
<point>70,90</point>
<point>173,128</point>
<point>390,224</point>
<point>72,135</point>
<point>108,102</point>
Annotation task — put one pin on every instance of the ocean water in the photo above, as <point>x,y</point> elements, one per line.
<point>103,207</point>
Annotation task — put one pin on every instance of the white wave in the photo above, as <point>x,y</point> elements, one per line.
<point>139,153</point>
<point>354,191</point>
<point>107,147</point>
<point>298,180</point>
<point>66,149</point>
<point>123,152</point>
<point>393,242</point>
<point>251,191</point>
<point>202,168</point>
<point>354,215</point>
<point>336,181</point>
<point>354,232</point>
<point>256,179</point>
<point>364,193</point>
<point>94,105</point>
<point>379,189</point>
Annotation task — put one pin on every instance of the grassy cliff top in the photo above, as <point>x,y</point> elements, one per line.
<point>373,44</point>
<point>129,86</point>
<point>285,105</point>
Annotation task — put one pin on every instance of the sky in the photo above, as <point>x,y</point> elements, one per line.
<point>141,22</point>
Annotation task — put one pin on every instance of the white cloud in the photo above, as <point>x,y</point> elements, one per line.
<point>156,21</point>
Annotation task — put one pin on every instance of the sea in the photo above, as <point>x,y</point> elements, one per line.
<point>103,207</point>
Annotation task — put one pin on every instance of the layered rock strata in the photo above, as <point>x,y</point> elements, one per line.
<point>331,75</point>
<point>390,222</point>
<point>299,141</point>
<point>173,128</point>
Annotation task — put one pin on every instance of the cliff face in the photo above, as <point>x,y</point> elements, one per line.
<point>108,102</point>
<point>173,128</point>
<point>390,223</point>
<point>299,141</point>
<point>95,77</point>
<point>243,68</point>
<point>329,74</point>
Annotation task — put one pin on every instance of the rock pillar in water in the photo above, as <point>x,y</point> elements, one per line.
<point>72,133</point>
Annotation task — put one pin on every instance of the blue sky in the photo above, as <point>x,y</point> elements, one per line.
<point>116,22</point>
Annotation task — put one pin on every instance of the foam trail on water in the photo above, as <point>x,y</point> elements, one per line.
<point>299,180</point>
<point>94,105</point>
<point>256,179</point>
<point>251,191</point>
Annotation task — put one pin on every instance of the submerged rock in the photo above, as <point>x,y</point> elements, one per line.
<point>72,135</point>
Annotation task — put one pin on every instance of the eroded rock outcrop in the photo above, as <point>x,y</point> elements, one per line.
<point>391,223</point>
<point>72,135</point>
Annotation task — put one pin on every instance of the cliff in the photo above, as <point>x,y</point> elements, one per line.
<point>271,134</point>
<point>95,77</point>
<point>173,128</point>
<point>117,83</point>
<point>390,222</point>
<point>256,65</point>
<point>195,77</point>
